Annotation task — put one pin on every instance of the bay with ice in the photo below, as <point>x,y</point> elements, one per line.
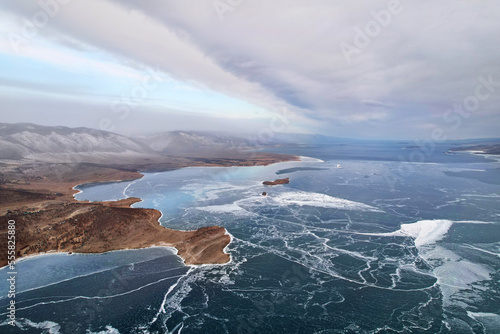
<point>358,242</point>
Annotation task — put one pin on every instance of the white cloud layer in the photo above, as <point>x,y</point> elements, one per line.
<point>373,69</point>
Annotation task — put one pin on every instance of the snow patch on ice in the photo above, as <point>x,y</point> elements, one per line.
<point>321,200</point>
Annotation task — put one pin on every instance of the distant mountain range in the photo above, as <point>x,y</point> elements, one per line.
<point>26,141</point>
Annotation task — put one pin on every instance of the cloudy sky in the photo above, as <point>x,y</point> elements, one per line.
<point>361,69</point>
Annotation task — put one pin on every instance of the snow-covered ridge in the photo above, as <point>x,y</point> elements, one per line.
<point>74,142</point>
<point>18,141</point>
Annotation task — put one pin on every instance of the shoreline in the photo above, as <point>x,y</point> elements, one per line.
<point>174,250</point>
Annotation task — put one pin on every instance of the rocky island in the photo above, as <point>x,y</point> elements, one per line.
<point>276,182</point>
